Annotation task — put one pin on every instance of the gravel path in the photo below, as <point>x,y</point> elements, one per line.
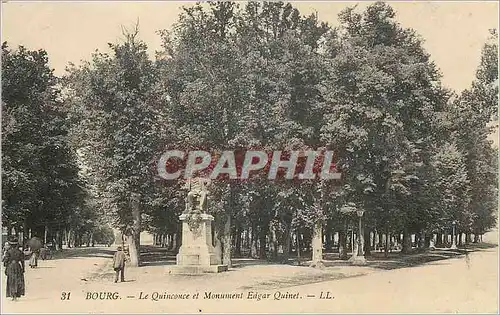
<point>452,285</point>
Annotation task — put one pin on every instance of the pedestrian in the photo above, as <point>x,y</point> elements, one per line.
<point>34,258</point>
<point>14,270</point>
<point>44,252</point>
<point>119,264</point>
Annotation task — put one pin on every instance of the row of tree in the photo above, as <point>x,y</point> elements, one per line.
<point>43,193</point>
<point>413,154</point>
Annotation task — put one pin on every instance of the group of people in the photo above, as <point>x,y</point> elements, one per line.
<point>13,261</point>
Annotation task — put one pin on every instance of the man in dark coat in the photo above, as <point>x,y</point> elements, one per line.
<point>14,270</point>
<point>119,264</point>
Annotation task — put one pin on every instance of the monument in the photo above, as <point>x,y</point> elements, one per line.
<point>197,254</point>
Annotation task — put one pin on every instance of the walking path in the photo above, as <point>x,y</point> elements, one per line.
<point>452,285</point>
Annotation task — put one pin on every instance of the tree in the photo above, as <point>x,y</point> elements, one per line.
<point>117,125</point>
<point>472,114</point>
<point>384,96</point>
<point>41,186</point>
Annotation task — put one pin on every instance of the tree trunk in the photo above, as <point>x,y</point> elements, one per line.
<point>59,240</point>
<point>262,241</point>
<point>476,238</point>
<point>68,238</point>
<point>380,241</point>
<point>427,239</point>
<point>25,232</point>
<point>238,240</point>
<point>374,240</point>
<point>439,240</point>
<point>387,242</point>
<point>297,244</point>
<point>169,241</point>
<point>317,244</point>
<point>468,238</point>
<point>406,248</point>
<point>342,244</point>
<point>351,241</point>
<point>246,240</point>
<point>355,244</point>
<point>367,245</point>
<point>45,234</point>
<point>253,241</point>
<point>9,230</point>
<point>218,243</point>
<point>287,242</point>
<point>226,241</point>
<point>133,250</point>
<point>273,242</point>
<point>175,242</point>
<point>135,233</point>
<point>226,237</point>
<point>329,240</point>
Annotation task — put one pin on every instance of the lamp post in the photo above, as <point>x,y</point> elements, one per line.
<point>359,258</point>
<point>453,242</point>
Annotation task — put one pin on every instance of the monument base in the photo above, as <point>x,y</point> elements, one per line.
<point>357,260</point>
<point>190,270</point>
<point>197,254</point>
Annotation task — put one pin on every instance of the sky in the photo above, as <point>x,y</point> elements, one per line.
<point>454,32</point>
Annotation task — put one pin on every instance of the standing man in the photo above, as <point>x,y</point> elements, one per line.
<point>119,264</point>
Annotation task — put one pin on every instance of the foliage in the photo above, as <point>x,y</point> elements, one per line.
<point>40,182</point>
<point>234,76</point>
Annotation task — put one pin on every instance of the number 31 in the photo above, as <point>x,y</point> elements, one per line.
<point>65,296</point>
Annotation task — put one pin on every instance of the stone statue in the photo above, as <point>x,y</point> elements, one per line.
<point>197,197</point>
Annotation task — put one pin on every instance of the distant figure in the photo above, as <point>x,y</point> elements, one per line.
<point>44,251</point>
<point>119,264</point>
<point>34,259</point>
<point>14,270</point>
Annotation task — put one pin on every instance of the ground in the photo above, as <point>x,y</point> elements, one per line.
<point>440,281</point>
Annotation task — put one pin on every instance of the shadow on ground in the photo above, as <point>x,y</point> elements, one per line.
<point>417,257</point>
<point>157,256</point>
<point>291,281</point>
<point>79,252</point>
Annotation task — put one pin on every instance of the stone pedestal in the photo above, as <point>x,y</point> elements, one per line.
<point>357,260</point>
<point>432,244</point>
<point>196,254</point>
<point>357,257</point>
